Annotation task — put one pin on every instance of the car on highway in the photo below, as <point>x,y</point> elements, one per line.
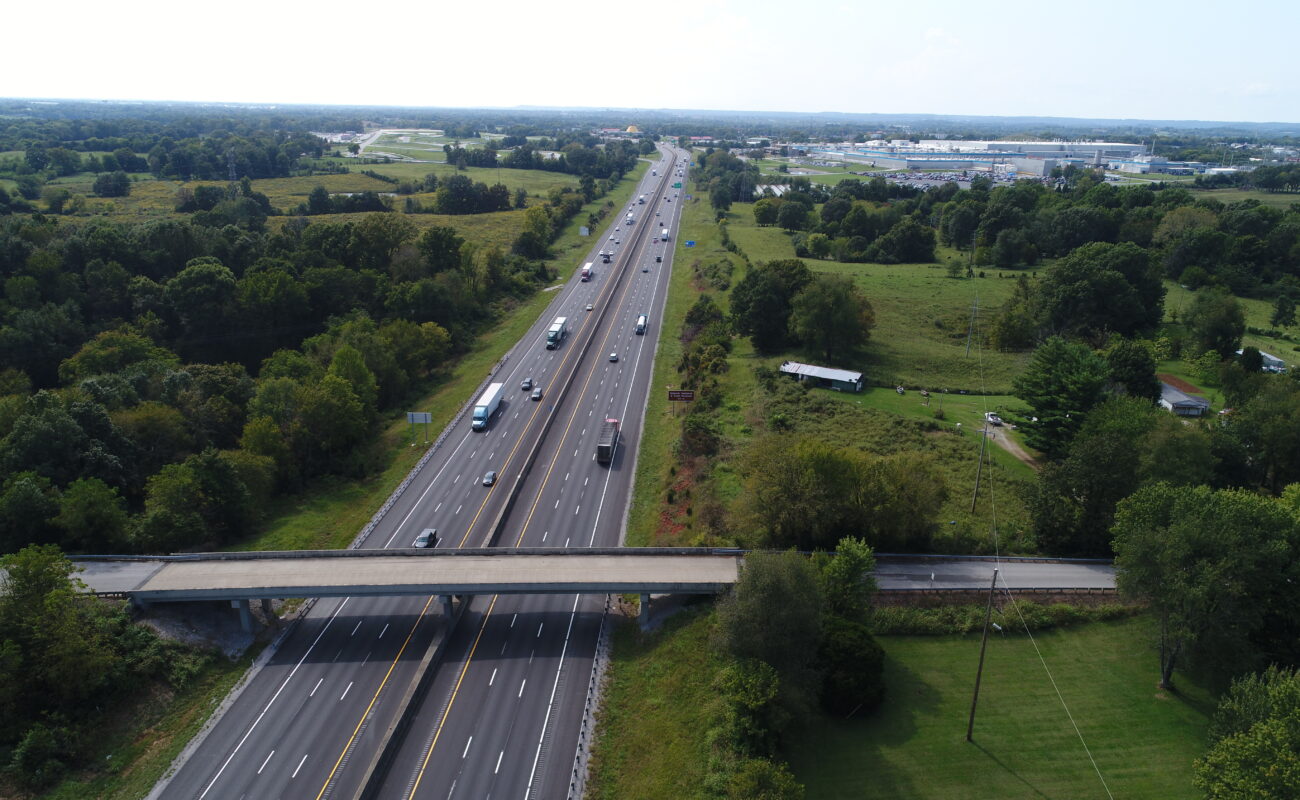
<point>537,393</point>
<point>659,259</point>
<point>526,384</point>
<point>613,356</point>
<point>589,306</point>
<point>490,478</point>
<point>427,538</point>
<point>618,241</point>
<point>645,267</point>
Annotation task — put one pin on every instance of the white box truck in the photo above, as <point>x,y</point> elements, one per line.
<point>557,332</point>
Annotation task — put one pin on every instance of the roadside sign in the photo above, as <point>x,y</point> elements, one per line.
<point>681,395</point>
<point>690,243</point>
<point>677,185</point>
<point>414,417</point>
<point>584,231</point>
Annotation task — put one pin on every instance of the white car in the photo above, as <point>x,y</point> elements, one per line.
<point>613,356</point>
<point>590,306</point>
<point>992,419</point>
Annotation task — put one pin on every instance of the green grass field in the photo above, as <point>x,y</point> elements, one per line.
<point>922,315</point>
<point>1144,740</point>
<point>654,722</point>
<point>1226,196</point>
<point>534,181</point>
<point>1178,300</point>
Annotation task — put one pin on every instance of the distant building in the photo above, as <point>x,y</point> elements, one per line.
<point>1184,405</point>
<point>1271,363</point>
<point>841,380</point>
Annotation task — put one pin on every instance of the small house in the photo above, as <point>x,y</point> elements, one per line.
<point>1184,405</point>
<point>841,380</point>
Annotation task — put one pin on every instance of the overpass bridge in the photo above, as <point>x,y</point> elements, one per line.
<point>242,577</point>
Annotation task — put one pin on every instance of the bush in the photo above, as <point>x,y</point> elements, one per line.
<point>962,619</point>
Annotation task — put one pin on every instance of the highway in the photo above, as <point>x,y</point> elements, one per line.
<point>306,724</point>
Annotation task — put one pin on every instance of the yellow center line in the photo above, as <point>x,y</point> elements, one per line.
<point>455,691</point>
<point>374,698</point>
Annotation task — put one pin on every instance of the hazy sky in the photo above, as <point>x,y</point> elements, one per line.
<point>1152,59</point>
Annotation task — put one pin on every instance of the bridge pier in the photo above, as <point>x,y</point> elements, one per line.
<point>644,617</point>
<point>448,606</point>
<point>245,614</point>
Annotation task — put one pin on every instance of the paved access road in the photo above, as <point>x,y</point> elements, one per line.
<point>306,724</point>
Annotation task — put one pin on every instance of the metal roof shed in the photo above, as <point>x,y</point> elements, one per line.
<point>841,380</point>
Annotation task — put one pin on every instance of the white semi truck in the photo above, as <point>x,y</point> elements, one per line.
<point>486,406</point>
<point>557,332</point>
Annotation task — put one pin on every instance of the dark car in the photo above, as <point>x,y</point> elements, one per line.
<point>659,259</point>
<point>527,384</point>
<point>427,538</point>
<point>490,478</point>
<point>537,393</point>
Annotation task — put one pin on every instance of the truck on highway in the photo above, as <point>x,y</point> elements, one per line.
<point>630,220</point>
<point>486,406</point>
<point>586,268</point>
<point>641,200</point>
<point>640,324</point>
<point>607,443</point>
<point>557,332</point>
<point>663,234</point>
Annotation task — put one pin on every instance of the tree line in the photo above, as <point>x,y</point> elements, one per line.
<point>163,380</point>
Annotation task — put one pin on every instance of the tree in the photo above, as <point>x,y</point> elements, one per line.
<point>28,506</point>
<point>1254,740</point>
<point>1133,369</point>
<point>847,578</point>
<point>113,184</point>
<point>832,315</point>
<point>1216,322</point>
<point>792,216</point>
<point>1073,502</point>
<point>1213,566</point>
<point>1101,288</point>
<point>202,499</point>
<point>380,235</point>
<point>1250,360</point>
<point>766,210</point>
<point>1283,315</point>
<point>440,246</point>
<point>773,615</point>
<point>762,301</point>
<point>762,779</point>
<point>1062,383</point>
<point>720,197</point>
<point>93,517</point>
<point>907,242</point>
<point>349,365</point>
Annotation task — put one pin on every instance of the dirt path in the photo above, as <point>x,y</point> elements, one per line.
<point>1001,439</point>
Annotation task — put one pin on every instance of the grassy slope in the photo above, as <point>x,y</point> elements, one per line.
<point>136,749</point>
<point>1143,740</point>
<point>653,743</point>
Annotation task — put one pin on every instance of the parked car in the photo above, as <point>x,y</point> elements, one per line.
<point>490,478</point>
<point>992,419</point>
<point>427,538</point>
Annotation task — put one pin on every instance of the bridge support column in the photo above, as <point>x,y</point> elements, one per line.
<point>245,614</point>
<point>447,604</point>
<point>644,616</point>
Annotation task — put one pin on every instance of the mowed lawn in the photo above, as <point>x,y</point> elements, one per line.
<point>922,315</point>
<point>1144,740</point>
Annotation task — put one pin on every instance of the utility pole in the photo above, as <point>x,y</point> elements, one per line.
<point>979,673</point>
<point>980,467</point>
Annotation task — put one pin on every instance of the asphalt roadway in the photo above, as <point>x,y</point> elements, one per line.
<point>307,722</point>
